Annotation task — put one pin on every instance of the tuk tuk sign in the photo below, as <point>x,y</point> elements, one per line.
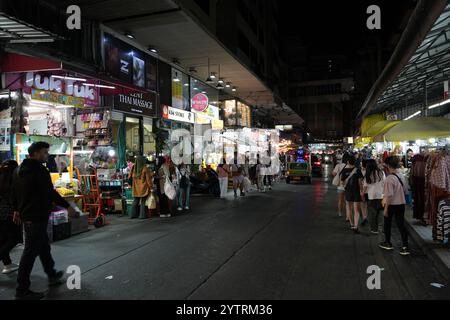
<point>200,102</point>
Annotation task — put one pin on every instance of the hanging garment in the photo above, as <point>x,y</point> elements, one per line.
<point>437,195</point>
<point>418,181</point>
<point>443,221</point>
<point>428,167</point>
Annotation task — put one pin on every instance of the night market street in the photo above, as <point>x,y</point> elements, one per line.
<point>287,243</point>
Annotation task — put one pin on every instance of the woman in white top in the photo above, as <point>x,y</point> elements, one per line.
<point>373,185</point>
<point>337,182</point>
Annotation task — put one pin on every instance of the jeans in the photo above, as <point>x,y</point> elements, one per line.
<point>139,205</point>
<point>36,245</point>
<point>9,238</point>
<point>397,211</point>
<point>184,192</point>
<point>375,214</point>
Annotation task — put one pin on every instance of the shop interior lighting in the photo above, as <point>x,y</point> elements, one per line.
<point>213,75</point>
<point>196,89</point>
<point>152,49</point>
<point>209,79</point>
<point>176,79</point>
<point>186,84</point>
<point>228,85</point>
<point>69,78</point>
<point>439,104</point>
<point>413,115</point>
<point>98,86</point>
<point>220,86</point>
<point>234,89</point>
<point>220,81</point>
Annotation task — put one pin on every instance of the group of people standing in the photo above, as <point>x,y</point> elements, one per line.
<point>168,186</point>
<point>371,190</point>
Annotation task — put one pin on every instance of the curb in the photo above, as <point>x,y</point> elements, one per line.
<point>429,251</point>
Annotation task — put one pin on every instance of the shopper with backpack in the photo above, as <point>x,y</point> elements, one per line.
<point>337,182</point>
<point>394,205</point>
<point>350,181</point>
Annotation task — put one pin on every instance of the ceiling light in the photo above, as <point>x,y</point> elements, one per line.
<point>176,79</point>
<point>204,92</point>
<point>69,78</point>
<point>413,115</point>
<point>213,75</point>
<point>186,84</point>
<point>196,89</point>
<point>220,81</point>
<point>129,35</point>
<point>220,86</point>
<point>439,104</point>
<point>152,49</point>
<point>228,85</point>
<point>234,89</point>
<point>209,80</point>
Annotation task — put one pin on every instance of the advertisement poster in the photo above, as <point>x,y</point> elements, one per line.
<point>5,134</point>
<point>124,62</point>
<point>138,72</point>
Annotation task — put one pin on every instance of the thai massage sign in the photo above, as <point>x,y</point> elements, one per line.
<point>61,90</point>
<point>199,102</point>
<point>137,103</point>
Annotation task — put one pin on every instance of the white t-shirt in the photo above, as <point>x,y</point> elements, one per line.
<point>375,190</point>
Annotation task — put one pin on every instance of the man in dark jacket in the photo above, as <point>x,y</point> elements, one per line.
<point>33,198</point>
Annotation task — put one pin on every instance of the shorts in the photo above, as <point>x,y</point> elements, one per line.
<point>238,179</point>
<point>353,197</point>
<point>340,189</point>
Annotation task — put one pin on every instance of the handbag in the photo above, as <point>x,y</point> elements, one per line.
<point>151,201</point>
<point>337,178</point>
<point>169,189</point>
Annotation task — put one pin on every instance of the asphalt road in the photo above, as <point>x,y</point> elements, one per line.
<point>287,243</point>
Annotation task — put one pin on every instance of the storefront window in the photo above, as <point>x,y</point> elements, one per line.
<point>180,90</point>
<point>133,139</point>
<point>149,142</point>
<point>200,87</point>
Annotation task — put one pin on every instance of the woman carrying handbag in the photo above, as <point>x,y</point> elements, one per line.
<point>142,184</point>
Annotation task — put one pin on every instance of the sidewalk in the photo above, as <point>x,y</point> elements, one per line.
<point>437,252</point>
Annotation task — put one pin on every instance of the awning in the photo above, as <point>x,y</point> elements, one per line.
<point>369,122</point>
<point>381,128</point>
<point>419,129</point>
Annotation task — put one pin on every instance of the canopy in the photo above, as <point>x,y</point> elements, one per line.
<point>381,127</point>
<point>369,122</point>
<point>419,129</point>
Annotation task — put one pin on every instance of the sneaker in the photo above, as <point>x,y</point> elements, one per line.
<point>186,208</point>
<point>10,268</point>
<point>404,251</point>
<point>29,295</point>
<point>386,246</point>
<point>180,209</point>
<point>56,280</point>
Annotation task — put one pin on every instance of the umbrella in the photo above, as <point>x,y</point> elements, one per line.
<point>121,147</point>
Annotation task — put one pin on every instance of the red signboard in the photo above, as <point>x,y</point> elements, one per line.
<point>200,102</point>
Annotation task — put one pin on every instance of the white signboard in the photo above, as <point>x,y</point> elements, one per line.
<point>175,114</point>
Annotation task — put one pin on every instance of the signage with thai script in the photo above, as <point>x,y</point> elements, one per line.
<point>136,103</point>
<point>170,113</point>
<point>199,102</point>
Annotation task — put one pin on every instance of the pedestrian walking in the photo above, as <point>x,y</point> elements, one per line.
<point>260,172</point>
<point>33,198</point>
<point>184,193</point>
<point>350,179</point>
<point>394,205</point>
<point>223,171</point>
<point>373,186</point>
<point>142,185</point>
<point>238,181</point>
<point>10,232</point>
<point>364,195</point>
<point>337,182</point>
<point>165,188</point>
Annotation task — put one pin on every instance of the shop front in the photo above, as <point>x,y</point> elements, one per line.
<point>236,114</point>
